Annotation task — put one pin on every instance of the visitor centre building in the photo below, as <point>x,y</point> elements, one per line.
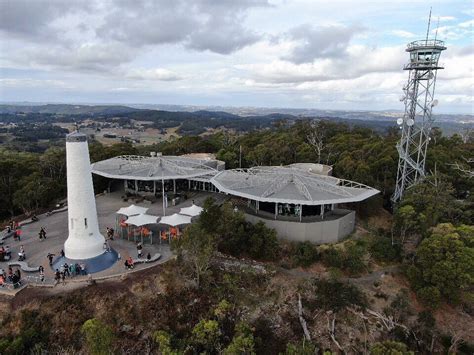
<point>300,201</point>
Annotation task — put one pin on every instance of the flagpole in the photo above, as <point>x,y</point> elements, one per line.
<point>163,194</point>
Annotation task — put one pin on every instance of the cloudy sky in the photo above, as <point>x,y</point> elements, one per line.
<point>337,54</point>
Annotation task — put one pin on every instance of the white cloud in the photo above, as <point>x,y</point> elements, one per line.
<point>403,34</point>
<point>159,74</point>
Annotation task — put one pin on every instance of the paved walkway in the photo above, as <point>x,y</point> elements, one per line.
<point>57,232</point>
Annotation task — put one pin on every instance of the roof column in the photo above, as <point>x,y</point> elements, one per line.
<point>136,186</point>
<point>174,186</point>
<point>154,187</point>
<point>301,212</point>
<point>322,211</point>
<point>276,209</point>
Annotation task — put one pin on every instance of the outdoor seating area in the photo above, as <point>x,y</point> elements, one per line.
<point>133,223</point>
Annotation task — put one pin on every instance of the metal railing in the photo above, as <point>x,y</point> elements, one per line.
<point>425,43</point>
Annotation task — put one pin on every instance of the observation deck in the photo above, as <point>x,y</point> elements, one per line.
<point>424,54</point>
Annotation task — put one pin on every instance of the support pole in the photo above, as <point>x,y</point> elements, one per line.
<point>276,210</point>
<point>301,212</point>
<point>163,195</point>
<point>154,187</point>
<point>322,211</point>
<point>174,186</point>
<point>136,186</point>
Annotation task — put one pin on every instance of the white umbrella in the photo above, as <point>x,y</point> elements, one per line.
<point>175,220</point>
<point>191,211</point>
<point>142,220</point>
<point>132,210</point>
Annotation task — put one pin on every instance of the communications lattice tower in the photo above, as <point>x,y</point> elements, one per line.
<point>419,102</point>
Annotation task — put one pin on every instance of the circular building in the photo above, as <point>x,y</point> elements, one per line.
<point>299,203</point>
<point>154,173</point>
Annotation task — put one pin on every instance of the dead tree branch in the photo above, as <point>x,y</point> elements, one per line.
<point>302,320</point>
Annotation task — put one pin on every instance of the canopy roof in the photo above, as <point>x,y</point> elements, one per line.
<point>175,220</point>
<point>142,219</point>
<point>191,211</point>
<point>135,167</point>
<point>290,185</point>
<point>132,210</point>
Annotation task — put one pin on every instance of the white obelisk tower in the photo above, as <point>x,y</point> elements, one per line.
<point>84,240</point>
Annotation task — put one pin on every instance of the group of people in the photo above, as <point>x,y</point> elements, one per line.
<point>129,263</point>
<point>5,253</point>
<point>13,277</point>
<point>72,270</point>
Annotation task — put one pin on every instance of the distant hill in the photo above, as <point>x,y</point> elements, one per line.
<point>198,121</point>
<point>63,109</point>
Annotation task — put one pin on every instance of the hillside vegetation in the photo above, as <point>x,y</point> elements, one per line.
<point>401,284</point>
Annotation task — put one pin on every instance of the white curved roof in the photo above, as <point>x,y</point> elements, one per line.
<point>313,168</point>
<point>135,167</point>
<point>290,185</point>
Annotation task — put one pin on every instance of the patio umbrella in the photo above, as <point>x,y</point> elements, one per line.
<point>131,210</point>
<point>142,220</point>
<point>191,211</point>
<point>175,220</point>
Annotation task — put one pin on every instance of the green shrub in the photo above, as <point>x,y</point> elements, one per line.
<point>263,243</point>
<point>304,254</point>
<point>301,348</point>
<point>430,296</point>
<point>206,335</point>
<point>336,295</point>
<point>99,337</point>
<point>390,348</point>
<point>333,257</point>
<point>381,249</point>
<point>350,259</point>
<point>354,262</point>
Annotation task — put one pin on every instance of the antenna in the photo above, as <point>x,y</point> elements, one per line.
<point>428,30</point>
<point>437,26</point>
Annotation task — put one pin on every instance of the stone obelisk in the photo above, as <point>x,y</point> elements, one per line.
<point>84,240</point>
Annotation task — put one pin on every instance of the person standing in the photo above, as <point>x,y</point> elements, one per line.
<point>42,233</point>
<point>50,258</point>
<point>41,273</point>
<point>66,270</point>
<point>139,250</point>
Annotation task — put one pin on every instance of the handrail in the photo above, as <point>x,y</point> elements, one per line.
<point>426,43</point>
